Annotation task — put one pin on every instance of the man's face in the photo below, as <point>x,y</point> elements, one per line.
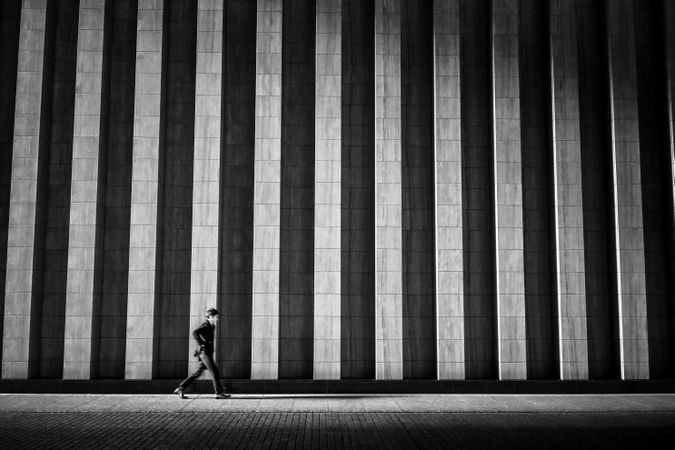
<point>213,320</point>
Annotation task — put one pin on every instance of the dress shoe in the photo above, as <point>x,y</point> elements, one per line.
<point>179,392</point>
<point>222,395</point>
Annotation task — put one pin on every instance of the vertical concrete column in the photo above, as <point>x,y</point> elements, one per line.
<point>267,192</point>
<point>508,193</point>
<point>145,176</point>
<point>670,68</point>
<point>22,301</point>
<point>568,194</point>
<point>327,197</point>
<point>87,195</point>
<point>206,169</point>
<point>388,194</point>
<point>10,22</point>
<point>448,151</point>
<point>627,191</point>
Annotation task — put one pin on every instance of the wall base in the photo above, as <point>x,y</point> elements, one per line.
<point>341,387</point>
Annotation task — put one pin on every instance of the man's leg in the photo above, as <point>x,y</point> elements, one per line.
<point>211,365</point>
<point>196,374</point>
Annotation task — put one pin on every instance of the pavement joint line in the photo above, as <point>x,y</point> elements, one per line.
<point>384,411</point>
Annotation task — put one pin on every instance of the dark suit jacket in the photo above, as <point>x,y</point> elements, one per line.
<point>204,336</point>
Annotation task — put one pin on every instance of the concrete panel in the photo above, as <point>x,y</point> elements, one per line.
<point>206,170</point>
<point>327,178</point>
<point>145,177</point>
<point>87,195</point>
<point>508,192</point>
<point>627,192</point>
<point>388,202</point>
<point>448,188</point>
<point>22,290</point>
<point>267,194</point>
<point>568,194</point>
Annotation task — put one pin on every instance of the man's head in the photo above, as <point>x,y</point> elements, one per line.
<point>212,315</point>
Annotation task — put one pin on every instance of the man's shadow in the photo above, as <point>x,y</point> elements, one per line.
<point>258,396</point>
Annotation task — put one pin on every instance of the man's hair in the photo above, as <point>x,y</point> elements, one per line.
<point>211,312</point>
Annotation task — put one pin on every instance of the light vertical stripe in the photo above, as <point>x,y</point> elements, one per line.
<point>448,165</point>
<point>22,293</point>
<point>568,195</point>
<point>145,191</point>
<point>87,196</point>
<point>267,192</point>
<point>328,176</point>
<point>388,194</point>
<point>206,168</point>
<point>508,193</point>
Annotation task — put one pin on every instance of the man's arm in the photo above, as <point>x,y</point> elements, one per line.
<point>198,334</point>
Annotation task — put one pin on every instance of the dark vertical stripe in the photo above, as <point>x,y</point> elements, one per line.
<point>58,193</point>
<point>535,100</point>
<point>358,190</point>
<point>296,299</point>
<point>657,204</point>
<point>122,64</point>
<point>176,199</point>
<point>35,343</point>
<point>477,198</point>
<point>596,163</point>
<point>102,174</point>
<point>669,56</point>
<point>236,218</point>
<point>419,323</point>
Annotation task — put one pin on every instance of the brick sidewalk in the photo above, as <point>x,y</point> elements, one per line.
<point>374,421</point>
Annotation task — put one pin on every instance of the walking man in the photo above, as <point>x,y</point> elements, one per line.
<point>204,337</point>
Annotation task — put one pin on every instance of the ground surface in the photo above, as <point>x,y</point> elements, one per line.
<point>338,421</point>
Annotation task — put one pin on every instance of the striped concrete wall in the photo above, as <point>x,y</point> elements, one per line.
<point>382,189</point>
